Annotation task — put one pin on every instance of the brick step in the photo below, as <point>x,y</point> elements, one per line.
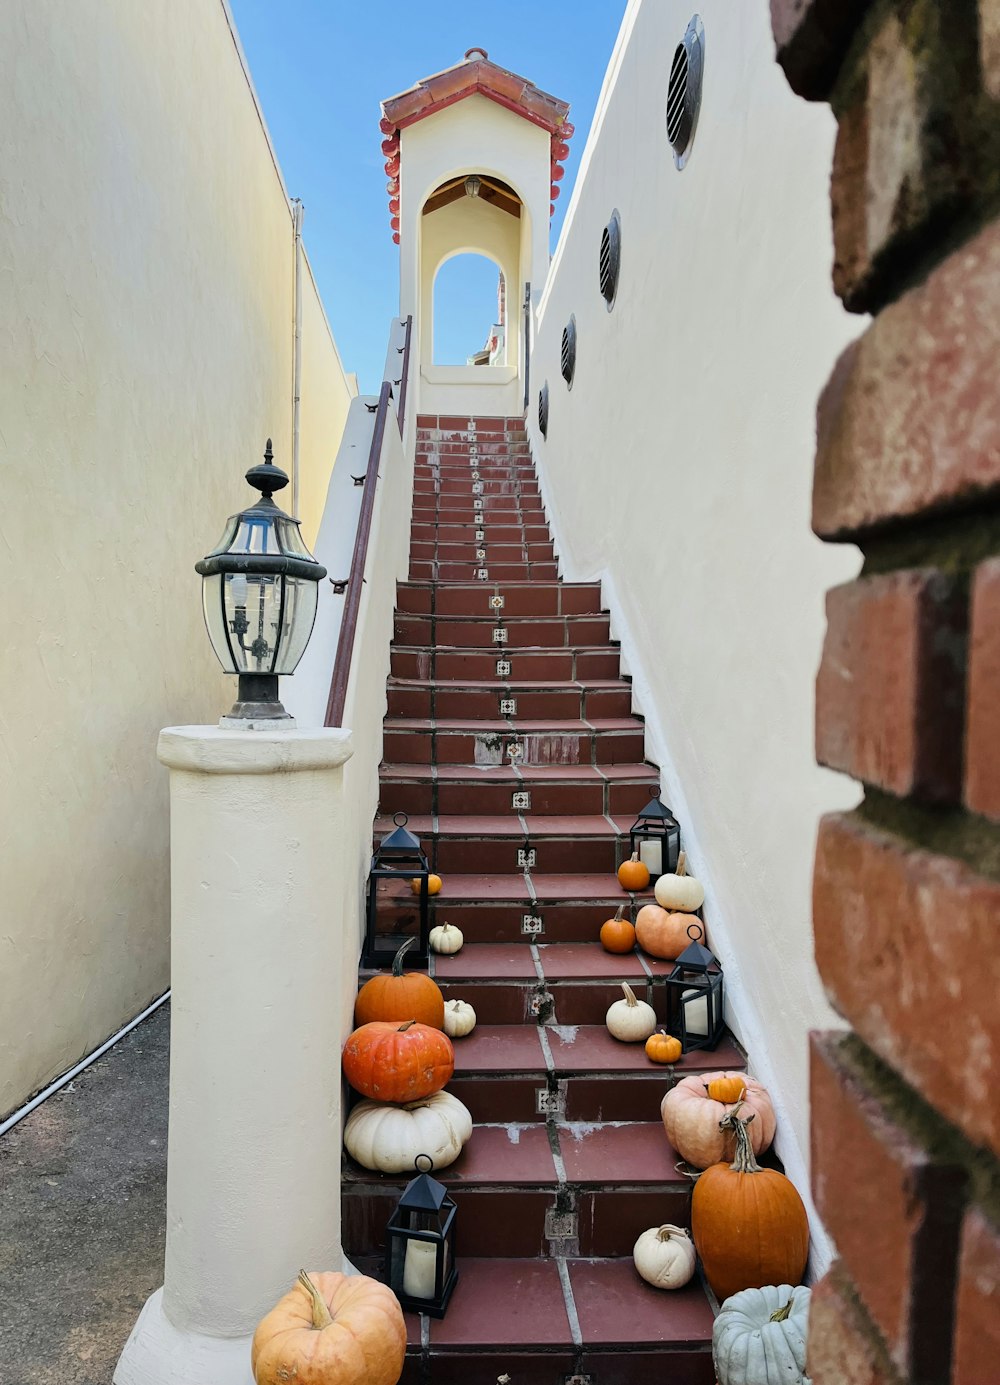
<point>553,789</point>
<point>520,632</point>
<point>467,844</point>
<point>556,665</point>
<point>491,529</point>
<point>470,600</point>
<point>463,480</point>
<point>488,701</point>
<point>483,570</point>
<point>468,550</point>
<point>452,508</point>
<point>423,741</point>
<point>620,1178</point>
<point>512,467</point>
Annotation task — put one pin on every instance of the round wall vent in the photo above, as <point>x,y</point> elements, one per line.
<point>684,91</point>
<point>543,410</point>
<point>567,354</point>
<point>610,259</point>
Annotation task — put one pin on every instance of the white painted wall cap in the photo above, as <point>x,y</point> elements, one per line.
<point>226,750</point>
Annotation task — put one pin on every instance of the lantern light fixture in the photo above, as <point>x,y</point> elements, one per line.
<point>421,1244</point>
<point>695,996</point>
<point>472,185</point>
<point>398,898</point>
<point>260,590</point>
<point>656,836</point>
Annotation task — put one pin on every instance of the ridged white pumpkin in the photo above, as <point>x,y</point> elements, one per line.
<point>445,938</point>
<point>631,1020</point>
<point>459,1018</point>
<point>680,892</point>
<point>665,1257</point>
<point>753,1346</point>
<point>388,1138</point>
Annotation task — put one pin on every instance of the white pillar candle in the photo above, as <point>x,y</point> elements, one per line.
<point>651,856</point>
<point>695,1012</point>
<point>419,1269</point>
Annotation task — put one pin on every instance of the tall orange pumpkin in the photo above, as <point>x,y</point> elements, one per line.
<point>666,935</point>
<point>749,1224</point>
<point>331,1327</point>
<point>398,1062</point>
<point>400,995</point>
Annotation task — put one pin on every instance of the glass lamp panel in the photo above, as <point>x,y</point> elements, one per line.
<point>301,600</point>
<point>215,620</point>
<point>290,538</point>
<point>397,912</point>
<point>255,534</point>
<point>253,606</point>
<point>696,1012</point>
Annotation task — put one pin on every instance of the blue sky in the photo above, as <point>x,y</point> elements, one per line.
<point>322,66</point>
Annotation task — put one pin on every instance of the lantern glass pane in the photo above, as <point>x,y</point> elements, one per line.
<point>298,617</point>
<point>650,851</point>
<point>696,1012</point>
<point>290,538</point>
<point>255,534</point>
<point>397,912</point>
<point>253,607</point>
<point>211,599</point>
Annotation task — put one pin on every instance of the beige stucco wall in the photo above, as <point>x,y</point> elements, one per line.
<point>146,272</point>
<point>679,468</point>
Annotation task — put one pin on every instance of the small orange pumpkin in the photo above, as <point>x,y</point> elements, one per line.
<point>633,874</point>
<point>727,1088</point>
<point>331,1327</point>
<point>398,1062</point>
<point>402,995</point>
<point>434,883</point>
<point>663,1048</point>
<point>749,1224</point>
<point>666,935</point>
<point>617,934</point>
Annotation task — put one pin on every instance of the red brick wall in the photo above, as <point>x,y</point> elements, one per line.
<point>906,1106</point>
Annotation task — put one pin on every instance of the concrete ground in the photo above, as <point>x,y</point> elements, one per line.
<point>82,1215</point>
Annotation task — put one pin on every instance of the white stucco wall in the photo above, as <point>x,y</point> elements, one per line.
<point>678,470</point>
<point>146,272</point>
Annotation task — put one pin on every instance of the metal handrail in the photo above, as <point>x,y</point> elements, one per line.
<point>337,699</point>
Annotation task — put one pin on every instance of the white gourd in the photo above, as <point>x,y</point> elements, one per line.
<point>665,1257</point>
<point>388,1138</point>
<point>680,893</point>
<point>753,1343</point>
<point>446,938</point>
<point>631,1019</point>
<point>459,1019</point>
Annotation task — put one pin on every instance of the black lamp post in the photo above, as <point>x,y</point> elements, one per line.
<point>260,592</point>
<point>656,836</point>
<point>695,996</point>
<point>421,1244</point>
<point>398,898</point>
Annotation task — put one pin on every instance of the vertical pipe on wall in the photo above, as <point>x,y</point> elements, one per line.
<point>298,213</point>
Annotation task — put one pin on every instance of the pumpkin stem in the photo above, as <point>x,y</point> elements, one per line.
<point>780,1314</point>
<point>664,1233</point>
<point>681,864</point>
<point>745,1161</point>
<point>397,961</point>
<point>619,912</point>
<point>404,1027</point>
<point>629,995</point>
<point>634,857</point>
<point>321,1315</point>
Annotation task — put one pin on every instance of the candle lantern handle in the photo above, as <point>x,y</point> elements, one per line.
<point>417,1165</point>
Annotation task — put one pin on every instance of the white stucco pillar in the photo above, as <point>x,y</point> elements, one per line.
<point>253,1164</point>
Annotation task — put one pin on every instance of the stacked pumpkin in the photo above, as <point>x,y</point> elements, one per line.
<point>399,1059</point>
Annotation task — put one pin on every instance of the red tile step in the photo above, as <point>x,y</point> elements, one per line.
<point>609,741</point>
<point>519,632</point>
<point>556,665</point>
<point>489,844</point>
<point>570,701</point>
<point>553,790</point>
<point>470,599</point>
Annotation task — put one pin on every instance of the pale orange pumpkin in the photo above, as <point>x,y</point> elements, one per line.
<point>749,1224</point>
<point>633,874</point>
<point>666,935</point>
<point>398,1062</point>
<point>691,1118</point>
<point>331,1329</point>
<point>400,995</point>
<point>617,934</point>
<point>663,1048</point>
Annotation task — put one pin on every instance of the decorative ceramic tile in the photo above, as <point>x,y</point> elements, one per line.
<point>503,668</point>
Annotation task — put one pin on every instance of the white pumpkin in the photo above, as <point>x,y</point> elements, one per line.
<point>759,1337</point>
<point>665,1257</point>
<point>445,938</point>
<point>459,1018</point>
<point>389,1138</point>
<point>680,893</point>
<point>631,1019</point>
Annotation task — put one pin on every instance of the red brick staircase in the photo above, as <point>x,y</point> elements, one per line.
<point>511,743</point>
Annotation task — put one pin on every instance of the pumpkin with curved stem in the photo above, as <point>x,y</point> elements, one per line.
<point>691,1118</point>
<point>617,934</point>
<point>759,1336</point>
<point>633,874</point>
<point>632,1020</point>
<point>331,1329</point>
<point>666,935</point>
<point>389,1138</point>
<point>459,1019</point>
<point>663,1048</point>
<point>679,892</point>
<point>402,995</point>
<point>749,1224</point>
<point>398,1062</point>
<point>664,1257</point>
<point>445,939</point>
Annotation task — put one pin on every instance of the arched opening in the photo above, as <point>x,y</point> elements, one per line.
<point>470,312</point>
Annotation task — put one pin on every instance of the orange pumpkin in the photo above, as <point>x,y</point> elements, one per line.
<point>663,1048</point>
<point>341,1328</point>
<point>727,1088</point>
<point>632,874</point>
<point>617,934</point>
<point>410,995</point>
<point>692,1119</point>
<point>666,935</point>
<point>749,1224</point>
<point>434,883</point>
<point>398,1062</point>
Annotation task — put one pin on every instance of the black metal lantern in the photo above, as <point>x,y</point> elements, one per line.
<point>260,592</point>
<point>656,836</point>
<point>695,996</point>
<point>398,898</point>
<point>421,1244</point>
